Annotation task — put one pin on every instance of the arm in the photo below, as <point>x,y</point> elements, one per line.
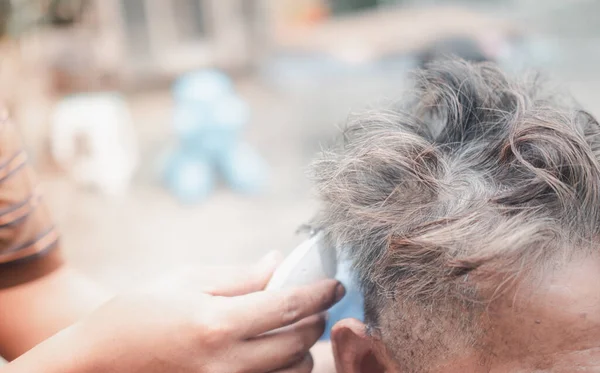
<point>172,328</point>
<point>39,294</point>
<point>33,311</point>
<point>178,328</point>
<point>56,355</point>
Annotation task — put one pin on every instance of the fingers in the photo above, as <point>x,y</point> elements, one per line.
<point>257,313</point>
<point>283,347</point>
<point>304,366</point>
<point>253,279</point>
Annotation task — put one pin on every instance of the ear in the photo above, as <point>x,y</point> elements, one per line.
<point>354,350</point>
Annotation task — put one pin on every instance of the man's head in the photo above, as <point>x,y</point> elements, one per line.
<point>472,216</point>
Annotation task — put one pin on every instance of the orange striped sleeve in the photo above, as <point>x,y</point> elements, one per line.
<point>29,242</point>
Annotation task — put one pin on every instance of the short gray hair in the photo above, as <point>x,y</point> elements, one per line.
<point>471,182</point>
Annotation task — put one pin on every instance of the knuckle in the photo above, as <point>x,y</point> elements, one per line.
<point>291,308</point>
<point>299,346</point>
<point>212,330</point>
<point>298,355</point>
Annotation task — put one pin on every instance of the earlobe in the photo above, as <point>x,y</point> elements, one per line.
<point>354,349</point>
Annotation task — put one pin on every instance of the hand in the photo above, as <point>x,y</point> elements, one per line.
<point>175,328</point>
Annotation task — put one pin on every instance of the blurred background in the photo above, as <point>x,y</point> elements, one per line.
<point>175,132</point>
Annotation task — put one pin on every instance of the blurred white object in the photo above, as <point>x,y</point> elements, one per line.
<point>102,123</point>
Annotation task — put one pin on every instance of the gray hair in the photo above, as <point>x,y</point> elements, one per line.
<point>473,182</point>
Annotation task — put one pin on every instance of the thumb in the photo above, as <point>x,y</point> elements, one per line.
<point>248,280</point>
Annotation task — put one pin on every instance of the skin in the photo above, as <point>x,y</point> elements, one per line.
<point>323,358</point>
<point>33,312</point>
<point>173,326</point>
<point>553,327</point>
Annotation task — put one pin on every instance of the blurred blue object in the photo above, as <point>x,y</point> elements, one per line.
<point>189,120</point>
<point>202,86</point>
<point>243,169</point>
<point>231,112</point>
<point>189,178</point>
<point>208,119</point>
<point>351,306</point>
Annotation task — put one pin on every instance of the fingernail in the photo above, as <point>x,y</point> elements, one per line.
<point>340,291</point>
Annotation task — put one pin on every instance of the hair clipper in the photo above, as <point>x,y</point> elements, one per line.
<point>309,262</point>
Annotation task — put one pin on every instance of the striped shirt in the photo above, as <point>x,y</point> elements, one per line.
<point>28,238</point>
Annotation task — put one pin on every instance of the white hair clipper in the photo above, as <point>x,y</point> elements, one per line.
<point>310,262</point>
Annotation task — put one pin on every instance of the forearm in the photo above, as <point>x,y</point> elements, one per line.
<point>32,312</point>
<point>62,353</point>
